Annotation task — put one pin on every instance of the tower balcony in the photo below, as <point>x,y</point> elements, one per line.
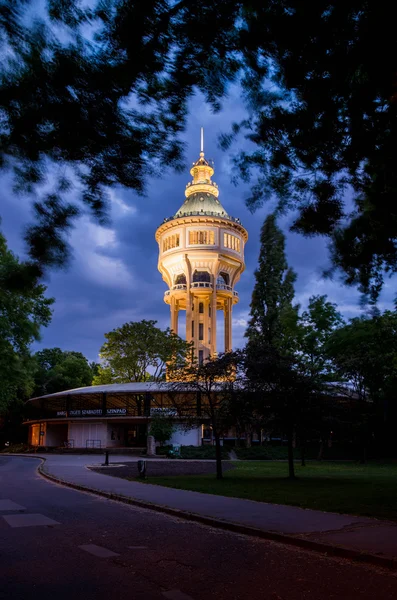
<point>204,287</point>
<point>201,285</point>
<point>224,287</point>
<point>178,290</point>
<point>227,291</point>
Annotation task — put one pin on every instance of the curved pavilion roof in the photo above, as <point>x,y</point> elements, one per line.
<point>136,387</point>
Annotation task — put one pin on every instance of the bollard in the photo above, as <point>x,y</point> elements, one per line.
<point>142,469</point>
<point>106,463</point>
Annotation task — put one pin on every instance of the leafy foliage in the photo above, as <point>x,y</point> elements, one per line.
<point>321,109</point>
<point>140,351</point>
<point>23,311</point>
<point>103,376</point>
<point>364,353</point>
<point>316,325</point>
<point>161,429</point>
<point>59,370</point>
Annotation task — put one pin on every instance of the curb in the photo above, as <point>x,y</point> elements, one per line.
<point>326,549</point>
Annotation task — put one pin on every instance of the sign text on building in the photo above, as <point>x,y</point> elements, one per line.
<point>116,411</point>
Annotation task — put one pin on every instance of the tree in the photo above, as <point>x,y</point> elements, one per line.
<point>103,376</point>
<point>67,112</point>
<point>243,412</point>
<point>161,428</point>
<point>323,119</point>
<point>59,370</point>
<point>364,354</point>
<point>139,351</point>
<point>315,326</point>
<point>282,392</point>
<point>215,383</point>
<point>321,109</point>
<point>273,327</point>
<point>24,309</point>
<point>273,317</point>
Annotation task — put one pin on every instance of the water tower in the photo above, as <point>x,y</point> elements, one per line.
<point>201,258</point>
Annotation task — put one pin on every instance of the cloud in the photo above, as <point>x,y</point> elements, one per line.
<point>89,241</point>
<point>113,276</point>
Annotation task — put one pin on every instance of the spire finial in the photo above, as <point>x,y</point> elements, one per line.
<point>202,140</point>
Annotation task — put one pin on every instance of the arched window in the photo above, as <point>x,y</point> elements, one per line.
<point>223,279</point>
<point>180,279</point>
<point>202,276</point>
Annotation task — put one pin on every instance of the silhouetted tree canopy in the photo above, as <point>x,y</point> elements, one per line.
<point>98,95</point>
<point>24,310</point>
<point>58,370</point>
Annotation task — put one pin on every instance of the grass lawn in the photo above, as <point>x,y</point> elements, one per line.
<point>369,490</point>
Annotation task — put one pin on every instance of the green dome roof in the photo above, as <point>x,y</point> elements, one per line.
<point>201,202</point>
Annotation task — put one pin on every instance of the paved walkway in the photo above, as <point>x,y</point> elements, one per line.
<point>355,533</point>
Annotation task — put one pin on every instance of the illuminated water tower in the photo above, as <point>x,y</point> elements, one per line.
<point>201,258</point>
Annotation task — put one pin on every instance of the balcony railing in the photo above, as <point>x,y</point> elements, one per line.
<point>203,213</point>
<point>201,284</point>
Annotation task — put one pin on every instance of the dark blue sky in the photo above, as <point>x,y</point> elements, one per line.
<point>113,276</point>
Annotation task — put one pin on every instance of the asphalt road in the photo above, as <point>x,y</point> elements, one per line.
<point>93,548</point>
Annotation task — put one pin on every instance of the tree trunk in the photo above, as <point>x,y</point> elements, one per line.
<point>303,452</point>
<point>248,439</point>
<point>363,459</point>
<point>321,450</point>
<point>218,455</point>
<point>291,468</point>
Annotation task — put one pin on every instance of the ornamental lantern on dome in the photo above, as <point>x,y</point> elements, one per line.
<point>201,258</point>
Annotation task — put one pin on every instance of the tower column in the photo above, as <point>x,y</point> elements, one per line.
<point>195,317</point>
<point>174,310</point>
<point>228,324</point>
<point>188,274</point>
<point>206,327</point>
<point>189,316</point>
<point>213,317</point>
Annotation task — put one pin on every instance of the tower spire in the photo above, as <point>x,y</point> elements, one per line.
<point>202,140</point>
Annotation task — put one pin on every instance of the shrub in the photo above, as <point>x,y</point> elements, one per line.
<point>262,453</point>
<point>195,452</point>
<point>269,452</point>
<point>161,429</point>
<point>18,449</point>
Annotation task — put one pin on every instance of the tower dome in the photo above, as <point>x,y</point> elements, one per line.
<point>201,203</point>
<point>201,258</point>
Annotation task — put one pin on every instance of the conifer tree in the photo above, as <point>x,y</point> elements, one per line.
<point>272,332</point>
<point>272,315</point>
